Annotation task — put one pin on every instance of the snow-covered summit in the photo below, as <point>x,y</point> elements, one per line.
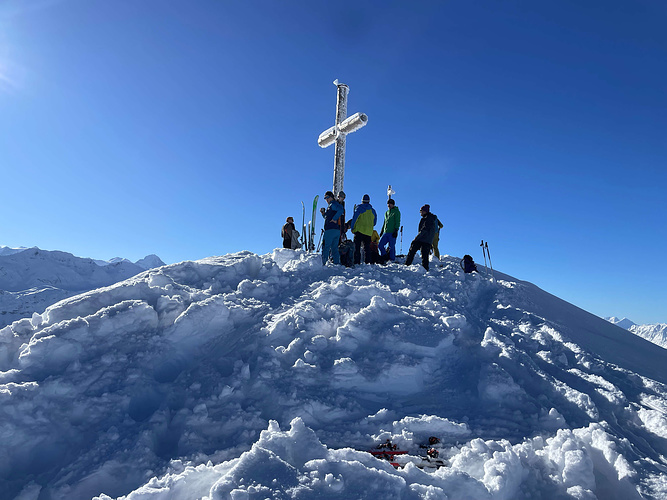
<point>149,262</point>
<point>35,267</point>
<point>4,250</point>
<point>622,322</point>
<point>249,376</point>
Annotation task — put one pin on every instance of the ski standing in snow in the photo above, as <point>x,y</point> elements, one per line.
<point>311,236</point>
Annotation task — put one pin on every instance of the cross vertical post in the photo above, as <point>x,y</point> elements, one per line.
<point>339,152</point>
<point>338,133</point>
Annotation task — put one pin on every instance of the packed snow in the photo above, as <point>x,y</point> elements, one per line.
<point>247,376</point>
<point>31,279</point>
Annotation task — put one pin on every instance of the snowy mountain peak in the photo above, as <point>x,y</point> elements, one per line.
<point>149,262</point>
<point>656,333</point>
<point>247,376</point>
<point>653,333</point>
<point>623,323</point>
<point>10,251</point>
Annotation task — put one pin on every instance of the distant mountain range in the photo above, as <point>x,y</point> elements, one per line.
<point>656,333</point>
<point>31,279</point>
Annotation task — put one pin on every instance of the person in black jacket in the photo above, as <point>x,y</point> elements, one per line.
<point>343,227</point>
<point>428,226</point>
<point>289,232</point>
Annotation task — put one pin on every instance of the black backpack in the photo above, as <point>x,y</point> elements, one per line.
<point>346,251</point>
<point>467,264</point>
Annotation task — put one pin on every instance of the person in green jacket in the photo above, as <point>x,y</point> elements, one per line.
<point>389,232</point>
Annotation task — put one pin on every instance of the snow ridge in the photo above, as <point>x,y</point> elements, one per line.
<point>653,333</point>
<point>249,376</point>
<point>32,279</point>
<point>656,333</point>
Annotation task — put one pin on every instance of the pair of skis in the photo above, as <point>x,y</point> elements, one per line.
<point>485,251</point>
<point>400,458</point>
<point>308,240</point>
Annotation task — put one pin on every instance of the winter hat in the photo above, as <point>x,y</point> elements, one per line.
<point>425,208</point>
<point>289,219</point>
<point>328,194</point>
<point>341,193</point>
<point>390,200</point>
<point>366,199</point>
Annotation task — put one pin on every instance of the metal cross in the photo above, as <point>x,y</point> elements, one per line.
<point>338,132</point>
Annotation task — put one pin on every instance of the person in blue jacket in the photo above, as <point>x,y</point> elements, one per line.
<point>332,216</point>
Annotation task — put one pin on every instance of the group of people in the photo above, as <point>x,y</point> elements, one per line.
<point>377,248</point>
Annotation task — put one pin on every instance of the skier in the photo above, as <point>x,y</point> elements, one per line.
<point>289,234</point>
<point>427,229</point>
<point>436,239</point>
<point>331,228</point>
<point>362,224</point>
<point>389,231</point>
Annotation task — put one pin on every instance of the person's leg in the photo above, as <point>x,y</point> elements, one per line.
<point>436,251</point>
<point>383,243</point>
<point>335,238</point>
<point>426,251</point>
<point>357,248</point>
<point>392,248</point>
<point>414,246</point>
<point>325,249</point>
<point>367,249</point>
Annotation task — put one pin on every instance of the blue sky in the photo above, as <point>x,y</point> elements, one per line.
<point>189,129</point>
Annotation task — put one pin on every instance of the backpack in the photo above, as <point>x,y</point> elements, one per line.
<point>296,244</point>
<point>467,264</point>
<point>346,251</point>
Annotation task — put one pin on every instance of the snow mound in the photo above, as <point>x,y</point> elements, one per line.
<point>178,383</point>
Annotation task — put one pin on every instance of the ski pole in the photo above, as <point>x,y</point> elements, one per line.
<point>486,269</point>
<point>486,245</point>
<point>319,243</point>
<point>401,240</point>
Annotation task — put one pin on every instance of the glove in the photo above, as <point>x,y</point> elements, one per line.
<point>395,234</point>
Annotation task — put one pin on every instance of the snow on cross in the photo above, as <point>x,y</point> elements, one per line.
<point>338,132</point>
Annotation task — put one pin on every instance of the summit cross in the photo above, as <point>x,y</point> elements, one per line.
<point>338,132</point>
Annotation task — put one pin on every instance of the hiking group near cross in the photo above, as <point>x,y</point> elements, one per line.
<point>375,248</point>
